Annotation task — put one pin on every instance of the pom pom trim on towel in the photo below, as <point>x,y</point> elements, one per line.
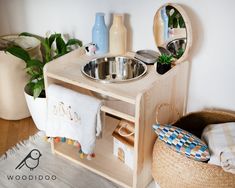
<point>75,143</point>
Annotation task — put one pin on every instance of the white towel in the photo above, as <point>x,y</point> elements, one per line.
<point>227,159</point>
<point>73,115</point>
<point>221,142</point>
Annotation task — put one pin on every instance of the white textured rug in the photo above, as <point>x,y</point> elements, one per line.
<point>52,170</point>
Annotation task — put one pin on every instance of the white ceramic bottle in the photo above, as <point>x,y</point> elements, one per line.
<point>117,36</point>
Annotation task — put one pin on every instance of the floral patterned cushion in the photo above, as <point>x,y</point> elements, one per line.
<point>183,142</point>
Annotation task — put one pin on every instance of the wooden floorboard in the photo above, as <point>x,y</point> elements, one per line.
<point>12,132</point>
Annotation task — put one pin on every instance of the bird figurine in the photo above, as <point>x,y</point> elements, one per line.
<point>31,160</point>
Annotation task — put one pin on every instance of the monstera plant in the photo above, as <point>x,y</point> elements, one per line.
<point>52,47</point>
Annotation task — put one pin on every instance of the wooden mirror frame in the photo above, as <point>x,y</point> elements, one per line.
<point>187,26</point>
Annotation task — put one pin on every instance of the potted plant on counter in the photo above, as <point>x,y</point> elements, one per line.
<point>35,89</point>
<point>164,63</point>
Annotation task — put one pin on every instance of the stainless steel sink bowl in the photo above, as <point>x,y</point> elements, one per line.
<point>175,45</point>
<point>114,69</point>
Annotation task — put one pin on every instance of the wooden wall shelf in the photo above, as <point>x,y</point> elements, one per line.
<point>135,101</point>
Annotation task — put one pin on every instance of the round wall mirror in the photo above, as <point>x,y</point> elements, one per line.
<point>172,31</point>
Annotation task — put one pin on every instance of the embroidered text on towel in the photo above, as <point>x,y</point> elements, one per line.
<point>65,111</point>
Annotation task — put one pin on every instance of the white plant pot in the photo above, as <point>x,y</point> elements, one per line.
<point>38,110</point>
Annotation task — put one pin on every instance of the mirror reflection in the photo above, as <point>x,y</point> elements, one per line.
<point>170,31</point>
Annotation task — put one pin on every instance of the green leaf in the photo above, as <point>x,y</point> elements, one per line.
<point>61,47</point>
<point>45,44</point>
<point>38,88</point>
<point>34,71</point>
<point>36,77</point>
<point>29,88</point>
<point>26,34</point>
<point>172,22</point>
<point>30,71</point>
<point>175,22</point>
<point>19,52</point>
<point>34,67</point>
<point>181,22</point>
<point>52,38</point>
<point>165,59</point>
<point>179,53</point>
<point>34,63</point>
<point>74,42</point>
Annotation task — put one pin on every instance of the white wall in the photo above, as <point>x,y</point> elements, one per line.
<point>212,73</point>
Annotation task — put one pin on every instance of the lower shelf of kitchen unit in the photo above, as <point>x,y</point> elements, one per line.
<point>104,163</point>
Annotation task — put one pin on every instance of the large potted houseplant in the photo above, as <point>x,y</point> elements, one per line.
<point>164,63</point>
<point>53,47</point>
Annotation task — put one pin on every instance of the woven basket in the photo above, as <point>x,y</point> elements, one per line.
<point>171,169</point>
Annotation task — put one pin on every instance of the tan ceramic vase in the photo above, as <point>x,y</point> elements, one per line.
<point>117,36</point>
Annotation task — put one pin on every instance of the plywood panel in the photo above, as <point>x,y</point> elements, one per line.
<point>171,90</point>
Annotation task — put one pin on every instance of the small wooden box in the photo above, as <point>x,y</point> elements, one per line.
<point>123,142</point>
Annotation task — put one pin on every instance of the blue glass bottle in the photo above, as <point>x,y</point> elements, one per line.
<point>100,34</point>
<point>165,20</point>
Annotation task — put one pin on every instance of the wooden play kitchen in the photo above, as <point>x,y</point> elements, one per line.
<point>135,101</point>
